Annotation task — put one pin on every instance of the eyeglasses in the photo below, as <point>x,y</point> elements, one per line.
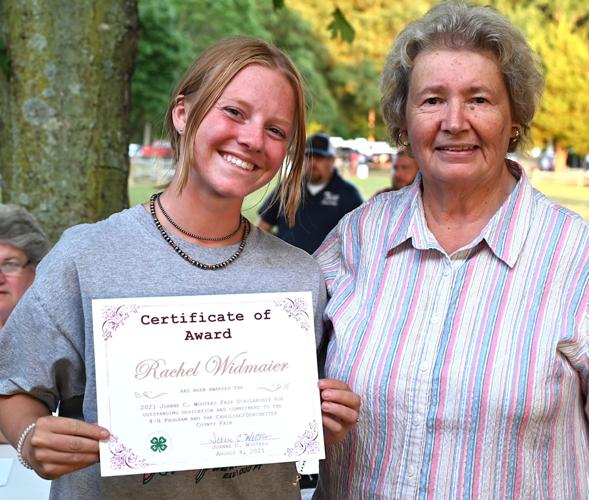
<point>13,268</point>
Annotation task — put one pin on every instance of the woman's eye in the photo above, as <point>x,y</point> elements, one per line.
<point>232,111</point>
<point>479,100</point>
<point>277,132</point>
<point>432,100</point>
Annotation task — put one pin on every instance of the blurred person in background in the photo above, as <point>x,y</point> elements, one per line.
<point>326,199</point>
<point>460,304</point>
<point>22,245</point>
<point>405,170</point>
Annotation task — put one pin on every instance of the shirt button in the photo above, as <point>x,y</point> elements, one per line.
<point>435,319</point>
<point>424,366</point>
<point>411,471</point>
<point>418,420</point>
<point>446,272</point>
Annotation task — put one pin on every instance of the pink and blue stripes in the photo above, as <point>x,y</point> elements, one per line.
<point>474,367</point>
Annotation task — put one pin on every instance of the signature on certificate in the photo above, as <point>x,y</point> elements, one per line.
<point>242,437</point>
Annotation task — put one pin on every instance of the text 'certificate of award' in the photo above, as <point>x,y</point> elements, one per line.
<point>206,381</point>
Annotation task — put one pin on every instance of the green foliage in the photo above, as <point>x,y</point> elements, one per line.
<point>291,33</point>
<point>206,21</point>
<point>340,27</point>
<point>174,34</point>
<point>342,78</point>
<point>162,55</point>
<point>562,43</point>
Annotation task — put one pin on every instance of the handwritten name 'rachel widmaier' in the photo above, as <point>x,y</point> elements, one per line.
<point>215,365</point>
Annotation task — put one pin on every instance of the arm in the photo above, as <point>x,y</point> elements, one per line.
<point>340,408</point>
<point>56,445</point>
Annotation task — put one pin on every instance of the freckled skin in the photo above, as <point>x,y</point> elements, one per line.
<point>459,124</point>
<point>459,98</point>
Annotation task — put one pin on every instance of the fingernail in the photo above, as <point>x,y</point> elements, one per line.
<point>104,434</point>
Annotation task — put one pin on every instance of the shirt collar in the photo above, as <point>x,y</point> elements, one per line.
<point>504,234</point>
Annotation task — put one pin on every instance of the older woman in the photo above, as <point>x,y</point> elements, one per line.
<point>460,304</point>
<point>22,245</point>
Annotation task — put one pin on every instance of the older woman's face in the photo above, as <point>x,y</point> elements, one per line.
<point>458,116</point>
<point>13,284</point>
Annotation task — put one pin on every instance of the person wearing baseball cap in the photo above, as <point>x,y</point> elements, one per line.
<point>326,199</point>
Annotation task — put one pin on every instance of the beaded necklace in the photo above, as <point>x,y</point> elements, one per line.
<point>184,255</point>
<point>194,235</point>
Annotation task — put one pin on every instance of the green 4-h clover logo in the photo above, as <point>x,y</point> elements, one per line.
<point>158,444</point>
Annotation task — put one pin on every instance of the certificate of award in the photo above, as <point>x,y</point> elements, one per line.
<point>206,381</point>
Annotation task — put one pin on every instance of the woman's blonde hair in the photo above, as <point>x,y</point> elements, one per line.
<point>205,81</point>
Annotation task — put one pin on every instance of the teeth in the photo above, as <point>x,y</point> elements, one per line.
<point>238,162</point>
<point>459,148</point>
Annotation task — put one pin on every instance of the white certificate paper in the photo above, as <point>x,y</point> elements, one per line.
<point>206,381</point>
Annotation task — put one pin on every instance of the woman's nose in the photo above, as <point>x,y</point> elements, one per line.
<point>454,120</point>
<point>252,136</point>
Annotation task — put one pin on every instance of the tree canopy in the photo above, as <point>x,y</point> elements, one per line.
<point>343,78</point>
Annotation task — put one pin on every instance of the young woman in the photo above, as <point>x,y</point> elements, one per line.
<point>236,115</point>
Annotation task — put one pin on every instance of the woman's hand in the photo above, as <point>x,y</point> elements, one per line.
<point>340,408</point>
<point>59,445</point>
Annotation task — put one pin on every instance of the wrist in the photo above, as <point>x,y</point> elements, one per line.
<point>20,445</point>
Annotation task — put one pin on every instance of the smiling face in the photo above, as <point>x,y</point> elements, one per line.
<point>459,117</point>
<point>242,141</point>
<point>13,286</point>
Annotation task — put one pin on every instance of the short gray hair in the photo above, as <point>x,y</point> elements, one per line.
<point>21,230</point>
<point>456,25</point>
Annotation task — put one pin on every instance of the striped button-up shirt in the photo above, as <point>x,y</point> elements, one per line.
<point>473,367</point>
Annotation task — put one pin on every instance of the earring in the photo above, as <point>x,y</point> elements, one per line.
<point>515,136</point>
<point>181,130</point>
<point>403,139</point>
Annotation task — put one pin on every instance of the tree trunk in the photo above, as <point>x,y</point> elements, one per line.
<point>64,107</point>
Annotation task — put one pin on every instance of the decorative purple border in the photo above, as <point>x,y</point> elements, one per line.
<point>149,395</point>
<point>274,388</point>
<point>307,442</point>
<point>122,457</point>
<point>296,309</point>
<point>114,317</point>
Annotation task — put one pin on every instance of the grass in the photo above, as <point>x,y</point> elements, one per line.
<point>574,197</point>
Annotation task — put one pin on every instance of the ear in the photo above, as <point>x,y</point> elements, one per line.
<point>180,114</point>
<point>515,131</point>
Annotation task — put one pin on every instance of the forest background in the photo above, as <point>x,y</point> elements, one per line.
<point>343,78</point>
<point>80,80</point>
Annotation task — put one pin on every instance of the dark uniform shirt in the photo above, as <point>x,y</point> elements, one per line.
<point>317,215</point>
